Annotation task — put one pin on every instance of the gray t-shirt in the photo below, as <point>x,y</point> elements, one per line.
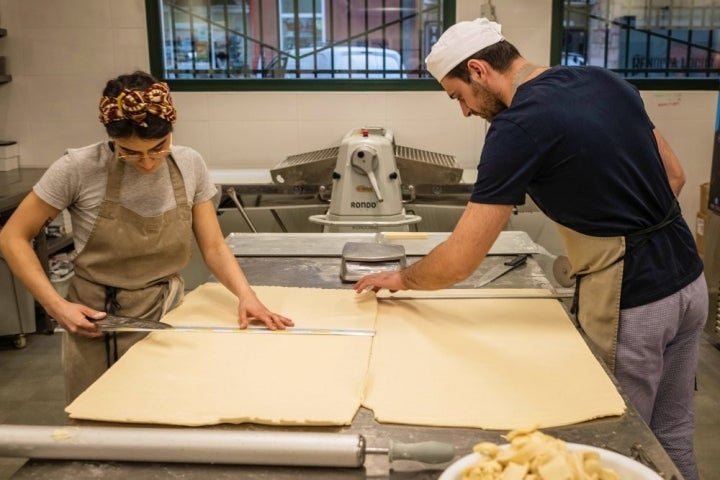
<point>77,181</point>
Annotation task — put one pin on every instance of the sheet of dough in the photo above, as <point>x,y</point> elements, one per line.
<point>203,378</point>
<point>489,363</point>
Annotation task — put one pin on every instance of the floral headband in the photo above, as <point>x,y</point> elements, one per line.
<point>135,105</point>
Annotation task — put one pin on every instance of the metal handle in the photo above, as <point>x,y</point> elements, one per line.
<point>376,187</point>
<point>365,161</point>
<point>517,260</point>
<point>426,452</point>
<point>231,193</point>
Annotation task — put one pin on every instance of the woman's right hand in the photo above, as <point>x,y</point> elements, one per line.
<point>76,319</point>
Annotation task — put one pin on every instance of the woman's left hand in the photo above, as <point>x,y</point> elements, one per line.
<point>251,307</point>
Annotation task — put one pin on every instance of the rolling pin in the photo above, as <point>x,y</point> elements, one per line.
<point>135,444</point>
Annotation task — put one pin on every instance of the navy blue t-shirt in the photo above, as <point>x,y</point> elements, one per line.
<point>579,141</point>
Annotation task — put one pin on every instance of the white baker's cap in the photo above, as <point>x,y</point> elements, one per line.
<point>459,42</point>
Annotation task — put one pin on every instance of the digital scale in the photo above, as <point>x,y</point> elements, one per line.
<point>363,258</point>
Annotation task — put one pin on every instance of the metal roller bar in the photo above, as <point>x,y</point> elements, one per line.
<point>182,445</point>
<point>250,330</point>
<point>490,295</point>
<point>179,445</point>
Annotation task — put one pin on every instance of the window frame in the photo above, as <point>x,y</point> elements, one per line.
<point>558,10</point>
<point>153,17</point>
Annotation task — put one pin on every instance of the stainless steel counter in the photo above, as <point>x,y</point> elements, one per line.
<point>324,245</point>
<point>616,433</point>
<point>15,184</point>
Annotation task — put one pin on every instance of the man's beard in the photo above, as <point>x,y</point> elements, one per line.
<point>490,104</point>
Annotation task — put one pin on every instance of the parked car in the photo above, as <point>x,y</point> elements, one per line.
<point>335,62</point>
<point>572,59</point>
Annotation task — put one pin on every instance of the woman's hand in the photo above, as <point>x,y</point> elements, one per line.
<point>74,318</point>
<point>251,307</point>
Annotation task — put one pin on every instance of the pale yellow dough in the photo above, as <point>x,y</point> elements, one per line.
<point>487,363</point>
<point>210,378</point>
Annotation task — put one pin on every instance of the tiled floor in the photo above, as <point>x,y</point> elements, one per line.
<point>31,387</point>
<point>31,392</point>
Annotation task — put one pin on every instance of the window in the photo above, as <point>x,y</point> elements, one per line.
<point>654,43</point>
<point>295,44</point>
<point>302,23</point>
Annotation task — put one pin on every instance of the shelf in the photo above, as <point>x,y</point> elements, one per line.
<point>56,244</point>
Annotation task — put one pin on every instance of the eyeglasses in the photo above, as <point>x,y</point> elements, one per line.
<point>136,157</point>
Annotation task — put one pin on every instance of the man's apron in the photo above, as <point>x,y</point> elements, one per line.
<point>129,267</point>
<point>597,265</point>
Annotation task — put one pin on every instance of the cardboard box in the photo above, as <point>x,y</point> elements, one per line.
<point>700,232</point>
<point>704,197</point>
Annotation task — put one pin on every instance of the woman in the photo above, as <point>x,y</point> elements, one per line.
<point>135,202</point>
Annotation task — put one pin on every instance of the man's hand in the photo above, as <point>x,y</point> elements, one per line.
<point>393,281</point>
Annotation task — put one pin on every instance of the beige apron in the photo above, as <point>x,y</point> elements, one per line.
<point>597,264</point>
<point>129,266</point>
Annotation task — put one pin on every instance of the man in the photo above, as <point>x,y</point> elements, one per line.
<point>579,141</point>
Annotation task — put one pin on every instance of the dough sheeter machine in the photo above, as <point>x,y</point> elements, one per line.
<point>366,183</point>
<point>314,260</point>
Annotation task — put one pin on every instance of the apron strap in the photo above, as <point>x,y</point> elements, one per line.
<point>116,170</point>
<point>177,182</point>
<point>111,302</point>
<point>632,241</point>
<point>111,348</point>
<point>575,306</point>
<point>641,237</point>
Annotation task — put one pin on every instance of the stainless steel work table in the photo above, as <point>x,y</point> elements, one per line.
<point>615,433</point>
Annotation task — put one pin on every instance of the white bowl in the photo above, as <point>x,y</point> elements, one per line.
<point>625,467</point>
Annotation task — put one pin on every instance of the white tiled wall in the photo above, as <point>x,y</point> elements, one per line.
<point>61,52</point>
